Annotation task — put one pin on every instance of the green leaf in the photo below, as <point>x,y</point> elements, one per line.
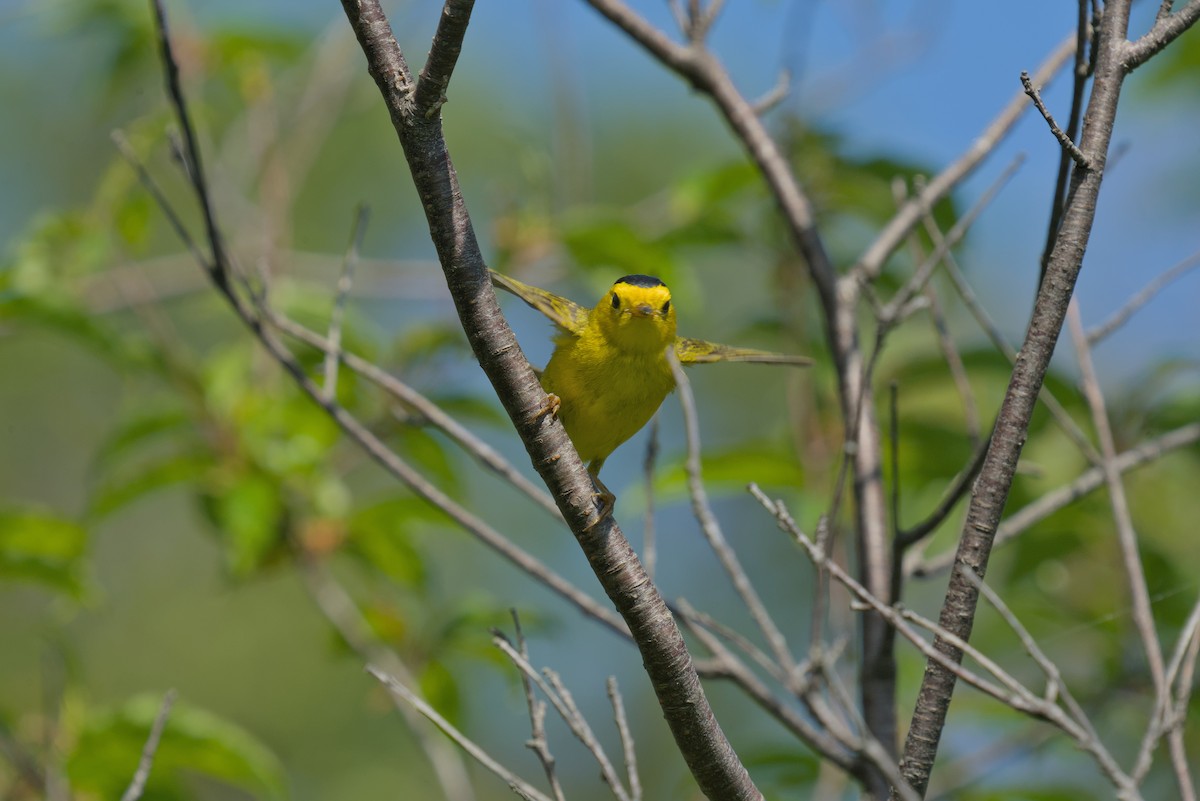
<point>116,492</point>
<point>759,462</point>
<point>142,428</point>
<point>250,512</point>
<point>613,243</point>
<point>194,742</point>
<point>36,545</point>
<point>440,689</point>
<point>380,535</point>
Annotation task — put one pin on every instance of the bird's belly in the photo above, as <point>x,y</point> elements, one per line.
<point>605,402</point>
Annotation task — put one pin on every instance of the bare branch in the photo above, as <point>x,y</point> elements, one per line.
<point>443,55</point>
<point>872,260</point>
<point>1167,28</point>
<point>1143,615</point>
<point>190,151</point>
<point>628,749</point>
<point>1087,482</point>
<point>649,540</point>
<point>537,718</point>
<point>429,411</point>
<point>711,527</point>
<point>1083,35</point>
<point>333,354</point>
<point>134,791</point>
<point>1143,297</point>
<point>465,743</point>
<point>892,312</point>
<point>1063,140</point>
<point>706,750</point>
<point>560,698</point>
<point>340,609</point>
<point>776,95</point>
<point>1016,411</point>
<point>1135,576</point>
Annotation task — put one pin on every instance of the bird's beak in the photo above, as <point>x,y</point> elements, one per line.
<point>643,310</point>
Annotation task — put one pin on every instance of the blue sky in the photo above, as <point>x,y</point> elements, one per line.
<point>915,79</point>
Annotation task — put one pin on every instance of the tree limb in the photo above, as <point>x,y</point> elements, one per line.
<point>1012,423</point>
<point>705,749</point>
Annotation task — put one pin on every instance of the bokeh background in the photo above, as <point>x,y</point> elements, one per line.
<point>162,464</point>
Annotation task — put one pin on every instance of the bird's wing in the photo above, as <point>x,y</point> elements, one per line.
<point>699,351</point>
<point>566,314</point>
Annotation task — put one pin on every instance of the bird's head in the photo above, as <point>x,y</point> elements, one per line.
<point>636,314</point>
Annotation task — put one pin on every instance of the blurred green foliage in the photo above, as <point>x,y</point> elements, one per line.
<point>206,415</point>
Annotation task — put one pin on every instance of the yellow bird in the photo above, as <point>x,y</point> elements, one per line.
<point>609,371</point>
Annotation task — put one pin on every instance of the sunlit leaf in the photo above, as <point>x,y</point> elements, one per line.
<point>142,428</point>
<point>37,545</point>
<point>440,689</point>
<point>118,490</point>
<point>194,742</point>
<point>250,512</point>
<point>380,534</point>
<point>614,244</point>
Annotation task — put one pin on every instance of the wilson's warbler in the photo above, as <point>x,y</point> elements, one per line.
<point>609,371</point>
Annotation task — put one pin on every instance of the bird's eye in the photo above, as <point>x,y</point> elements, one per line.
<point>666,306</point>
<point>616,302</point>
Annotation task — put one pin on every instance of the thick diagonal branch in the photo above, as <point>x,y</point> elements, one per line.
<point>1012,424</point>
<point>703,745</point>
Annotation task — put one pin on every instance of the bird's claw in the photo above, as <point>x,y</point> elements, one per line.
<point>550,407</point>
<point>606,502</point>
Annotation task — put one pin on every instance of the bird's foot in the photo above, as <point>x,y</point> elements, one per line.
<point>550,407</point>
<point>606,502</point>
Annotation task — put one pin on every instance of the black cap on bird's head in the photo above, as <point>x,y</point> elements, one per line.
<point>645,281</point>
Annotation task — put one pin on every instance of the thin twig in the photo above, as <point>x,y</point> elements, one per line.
<point>776,95</point>
<point>711,527</point>
<point>443,56</point>
<point>1083,34</point>
<point>1135,575</point>
<point>1143,297</point>
<point>820,740</point>
<point>628,747</point>
<point>954,361</point>
<point>1143,614</point>
<point>138,785</point>
<point>560,698</point>
<point>465,743</point>
<point>895,308</point>
<point>345,281</point>
<point>649,540</point>
<point>190,150</point>
<point>1000,342</point>
<point>906,537</point>
<point>343,613</point>
<point>871,262</point>
<point>537,717</point>
<point>1089,481</point>
<point>1072,149</point>
<point>1056,688</point>
<point>1166,29</point>
<point>1012,694</point>
<point>430,412</point>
